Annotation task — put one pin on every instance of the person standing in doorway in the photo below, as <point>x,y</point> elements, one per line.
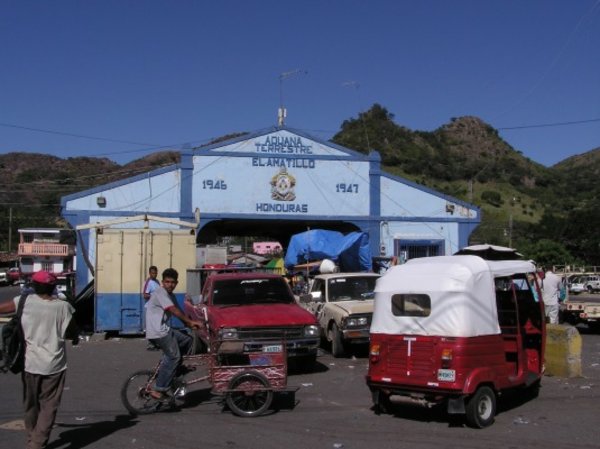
<point>46,321</point>
<point>551,285</point>
<point>161,306</point>
<point>150,285</point>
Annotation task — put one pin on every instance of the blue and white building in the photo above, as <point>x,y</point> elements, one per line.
<point>277,182</point>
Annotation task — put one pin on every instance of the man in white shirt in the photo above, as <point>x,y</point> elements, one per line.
<point>551,285</point>
<point>46,320</point>
<point>150,285</point>
<point>161,306</point>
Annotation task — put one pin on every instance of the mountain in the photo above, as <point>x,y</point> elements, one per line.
<point>578,176</point>
<point>31,186</point>
<point>545,212</point>
<point>523,202</point>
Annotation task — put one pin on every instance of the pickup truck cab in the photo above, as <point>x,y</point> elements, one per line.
<point>255,309</point>
<point>343,305</point>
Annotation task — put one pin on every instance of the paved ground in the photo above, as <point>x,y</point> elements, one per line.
<point>331,409</point>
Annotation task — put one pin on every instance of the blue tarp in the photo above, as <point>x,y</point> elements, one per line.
<point>351,252</point>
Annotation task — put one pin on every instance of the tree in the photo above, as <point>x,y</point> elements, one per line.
<point>545,252</point>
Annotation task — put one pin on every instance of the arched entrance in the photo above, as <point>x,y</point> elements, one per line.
<point>211,231</point>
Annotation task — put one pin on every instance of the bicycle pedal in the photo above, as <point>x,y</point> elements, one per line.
<point>186,369</point>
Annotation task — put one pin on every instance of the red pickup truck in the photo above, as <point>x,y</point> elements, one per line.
<point>255,309</point>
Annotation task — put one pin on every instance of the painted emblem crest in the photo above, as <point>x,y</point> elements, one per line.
<point>282,186</point>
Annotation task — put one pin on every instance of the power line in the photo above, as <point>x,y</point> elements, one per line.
<point>149,147</point>
<point>60,133</point>
<point>549,125</point>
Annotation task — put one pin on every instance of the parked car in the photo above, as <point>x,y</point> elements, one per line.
<point>4,280</point>
<point>256,310</point>
<point>592,283</point>
<point>343,305</point>
<point>14,275</point>
<point>576,284</point>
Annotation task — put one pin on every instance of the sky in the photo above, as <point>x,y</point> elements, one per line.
<point>122,79</point>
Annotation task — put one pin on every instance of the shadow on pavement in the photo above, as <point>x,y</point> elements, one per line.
<point>81,435</point>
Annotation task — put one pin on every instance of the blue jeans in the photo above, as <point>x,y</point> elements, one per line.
<point>173,345</point>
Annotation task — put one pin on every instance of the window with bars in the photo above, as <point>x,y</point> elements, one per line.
<point>47,266</point>
<point>412,249</point>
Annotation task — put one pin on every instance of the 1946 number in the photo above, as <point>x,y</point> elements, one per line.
<point>209,184</point>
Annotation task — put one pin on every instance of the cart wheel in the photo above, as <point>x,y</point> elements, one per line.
<point>252,395</point>
<point>481,408</point>
<point>134,394</point>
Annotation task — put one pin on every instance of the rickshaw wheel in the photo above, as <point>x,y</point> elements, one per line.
<point>252,395</point>
<point>481,408</point>
<point>384,404</point>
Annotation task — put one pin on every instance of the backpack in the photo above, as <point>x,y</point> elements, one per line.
<point>13,342</point>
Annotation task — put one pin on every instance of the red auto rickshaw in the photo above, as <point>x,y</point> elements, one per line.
<point>456,330</point>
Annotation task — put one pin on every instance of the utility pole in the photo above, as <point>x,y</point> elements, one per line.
<point>510,230</point>
<point>9,229</point>
<point>470,190</point>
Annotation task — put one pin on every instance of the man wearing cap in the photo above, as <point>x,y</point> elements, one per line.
<point>45,321</point>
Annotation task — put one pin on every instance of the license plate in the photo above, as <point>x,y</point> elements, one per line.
<point>446,375</point>
<point>272,348</point>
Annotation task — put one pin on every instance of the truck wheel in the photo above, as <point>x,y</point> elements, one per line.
<point>337,342</point>
<point>198,346</point>
<point>590,289</point>
<point>481,408</point>
<point>533,391</point>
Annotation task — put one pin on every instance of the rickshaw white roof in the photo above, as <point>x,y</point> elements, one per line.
<point>461,289</point>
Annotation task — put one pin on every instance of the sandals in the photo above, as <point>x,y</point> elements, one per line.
<point>159,396</point>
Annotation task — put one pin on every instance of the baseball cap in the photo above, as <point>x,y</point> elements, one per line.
<point>44,277</point>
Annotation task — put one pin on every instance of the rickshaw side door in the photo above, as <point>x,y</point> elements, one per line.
<point>521,325</point>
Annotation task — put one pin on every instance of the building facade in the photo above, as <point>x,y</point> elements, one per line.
<point>278,182</point>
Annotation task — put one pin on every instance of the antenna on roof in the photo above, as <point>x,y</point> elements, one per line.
<point>282,112</point>
<point>354,85</point>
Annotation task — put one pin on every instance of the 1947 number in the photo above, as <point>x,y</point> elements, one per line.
<point>209,184</point>
<point>346,188</point>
